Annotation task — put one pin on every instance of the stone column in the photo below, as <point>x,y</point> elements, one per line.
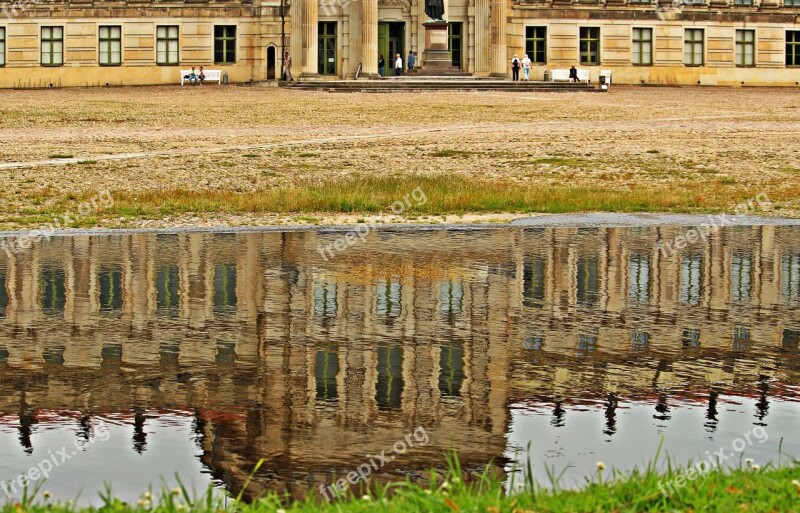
<point>309,28</point>
<point>482,36</point>
<point>498,40</point>
<point>369,39</point>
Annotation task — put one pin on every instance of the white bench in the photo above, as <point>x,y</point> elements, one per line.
<point>212,75</point>
<point>563,75</point>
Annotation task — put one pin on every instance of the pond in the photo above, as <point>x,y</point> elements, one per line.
<point>128,358</point>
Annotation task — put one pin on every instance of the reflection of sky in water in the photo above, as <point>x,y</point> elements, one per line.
<point>207,352</point>
<point>166,448</point>
<point>582,438</point>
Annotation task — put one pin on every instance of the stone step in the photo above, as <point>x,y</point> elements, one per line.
<point>417,86</point>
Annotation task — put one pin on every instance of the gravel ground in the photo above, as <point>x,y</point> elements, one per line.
<point>61,143</point>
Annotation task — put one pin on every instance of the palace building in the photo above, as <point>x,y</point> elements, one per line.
<point>52,43</point>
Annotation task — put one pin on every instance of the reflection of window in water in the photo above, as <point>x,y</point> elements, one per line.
<point>640,341</point>
<point>168,285</point>
<point>639,277</point>
<point>169,353</point>
<point>451,294</point>
<point>3,355</point>
<point>224,289</point>
<point>388,297</point>
<point>110,284</point>
<point>3,295</point>
<point>533,276</point>
<point>533,343</point>
<point>790,279</point>
<point>390,376</point>
<point>326,368</point>
<point>587,343</point>
<point>112,356</point>
<point>741,265</point>
<point>325,299</point>
<point>790,339</point>
<point>226,353</point>
<point>690,339</point>
<point>691,278</point>
<point>54,295</point>
<point>451,374</point>
<point>741,338</point>
<point>588,286</point>
<point>54,355</point>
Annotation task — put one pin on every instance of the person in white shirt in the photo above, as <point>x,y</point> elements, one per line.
<point>526,67</point>
<point>398,65</point>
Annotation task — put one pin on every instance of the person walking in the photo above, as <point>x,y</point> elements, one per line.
<point>287,67</point>
<point>381,65</point>
<point>398,65</point>
<point>515,68</point>
<point>412,60</point>
<point>526,68</point>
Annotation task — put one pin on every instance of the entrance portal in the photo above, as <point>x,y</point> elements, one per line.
<point>271,63</point>
<point>391,41</point>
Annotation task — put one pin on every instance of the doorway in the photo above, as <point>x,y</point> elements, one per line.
<point>271,62</point>
<point>391,41</point>
<point>327,48</point>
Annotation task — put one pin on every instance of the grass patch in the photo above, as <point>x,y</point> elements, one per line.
<point>443,195</point>
<point>59,156</point>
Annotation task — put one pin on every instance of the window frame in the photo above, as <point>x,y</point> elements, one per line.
<point>589,40</point>
<point>3,45</point>
<point>225,40</point>
<point>641,41</point>
<point>535,40</point>
<point>51,40</point>
<point>108,40</point>
<point>694,42</point>
<point>745,44</point>
<point>167,39</point>
<point>795,45</point>
<point>791,3</point>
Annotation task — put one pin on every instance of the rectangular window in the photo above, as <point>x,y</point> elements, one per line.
<point>590,45</point>
<point>225,44</point>
<point>167,44</point>
<point>743,2</point>
<point>793,48</point>
<point>52,46</point>
<point>640,2</point>
<point>791,3</point>
<point>110,45</point>
<point>2,46</point>
<point>536,44</point>
<point>456,42</point>
<point>326,45</point>
<point>745,48</point>
<point>643,46</point>
<point>693,47</point>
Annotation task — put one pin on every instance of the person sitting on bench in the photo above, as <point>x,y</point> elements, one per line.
<point>192,77</point>
<point>202,76</point>
<point>573,75</point>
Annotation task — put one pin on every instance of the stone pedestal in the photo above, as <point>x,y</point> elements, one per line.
<point>437,59</point>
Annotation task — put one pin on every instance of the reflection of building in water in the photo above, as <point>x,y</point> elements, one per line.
<point>313,366</point>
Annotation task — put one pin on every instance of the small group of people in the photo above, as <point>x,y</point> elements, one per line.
<point>398,64</point>
<point>526,64</point>
<point>194,77</point>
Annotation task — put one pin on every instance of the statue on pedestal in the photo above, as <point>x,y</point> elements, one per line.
<point>434,9</point>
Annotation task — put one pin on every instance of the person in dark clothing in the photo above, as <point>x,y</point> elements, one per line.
<point>573,74</point>
<point>381,65</point>
<point>515,64</point>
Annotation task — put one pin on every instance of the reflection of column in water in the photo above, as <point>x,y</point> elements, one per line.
<point>26,422</point>
<point>558,415</point>
<point>611,414</point>
<point>762,406</point>
<point>662,409</point>
<point>711,413</point>
<point>139,434</point>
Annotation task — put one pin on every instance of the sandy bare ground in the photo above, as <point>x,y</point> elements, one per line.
<point>56,144</point>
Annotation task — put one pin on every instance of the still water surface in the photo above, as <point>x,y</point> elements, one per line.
<point>133,357</point>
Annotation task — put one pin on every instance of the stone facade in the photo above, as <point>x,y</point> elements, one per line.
<point>487,34</point>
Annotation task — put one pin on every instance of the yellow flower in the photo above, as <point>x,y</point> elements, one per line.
<point>601,466</point>
<point>47,495</point>
<point>366,498</point>
<point>796,484</point>
<point>176,491</point>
